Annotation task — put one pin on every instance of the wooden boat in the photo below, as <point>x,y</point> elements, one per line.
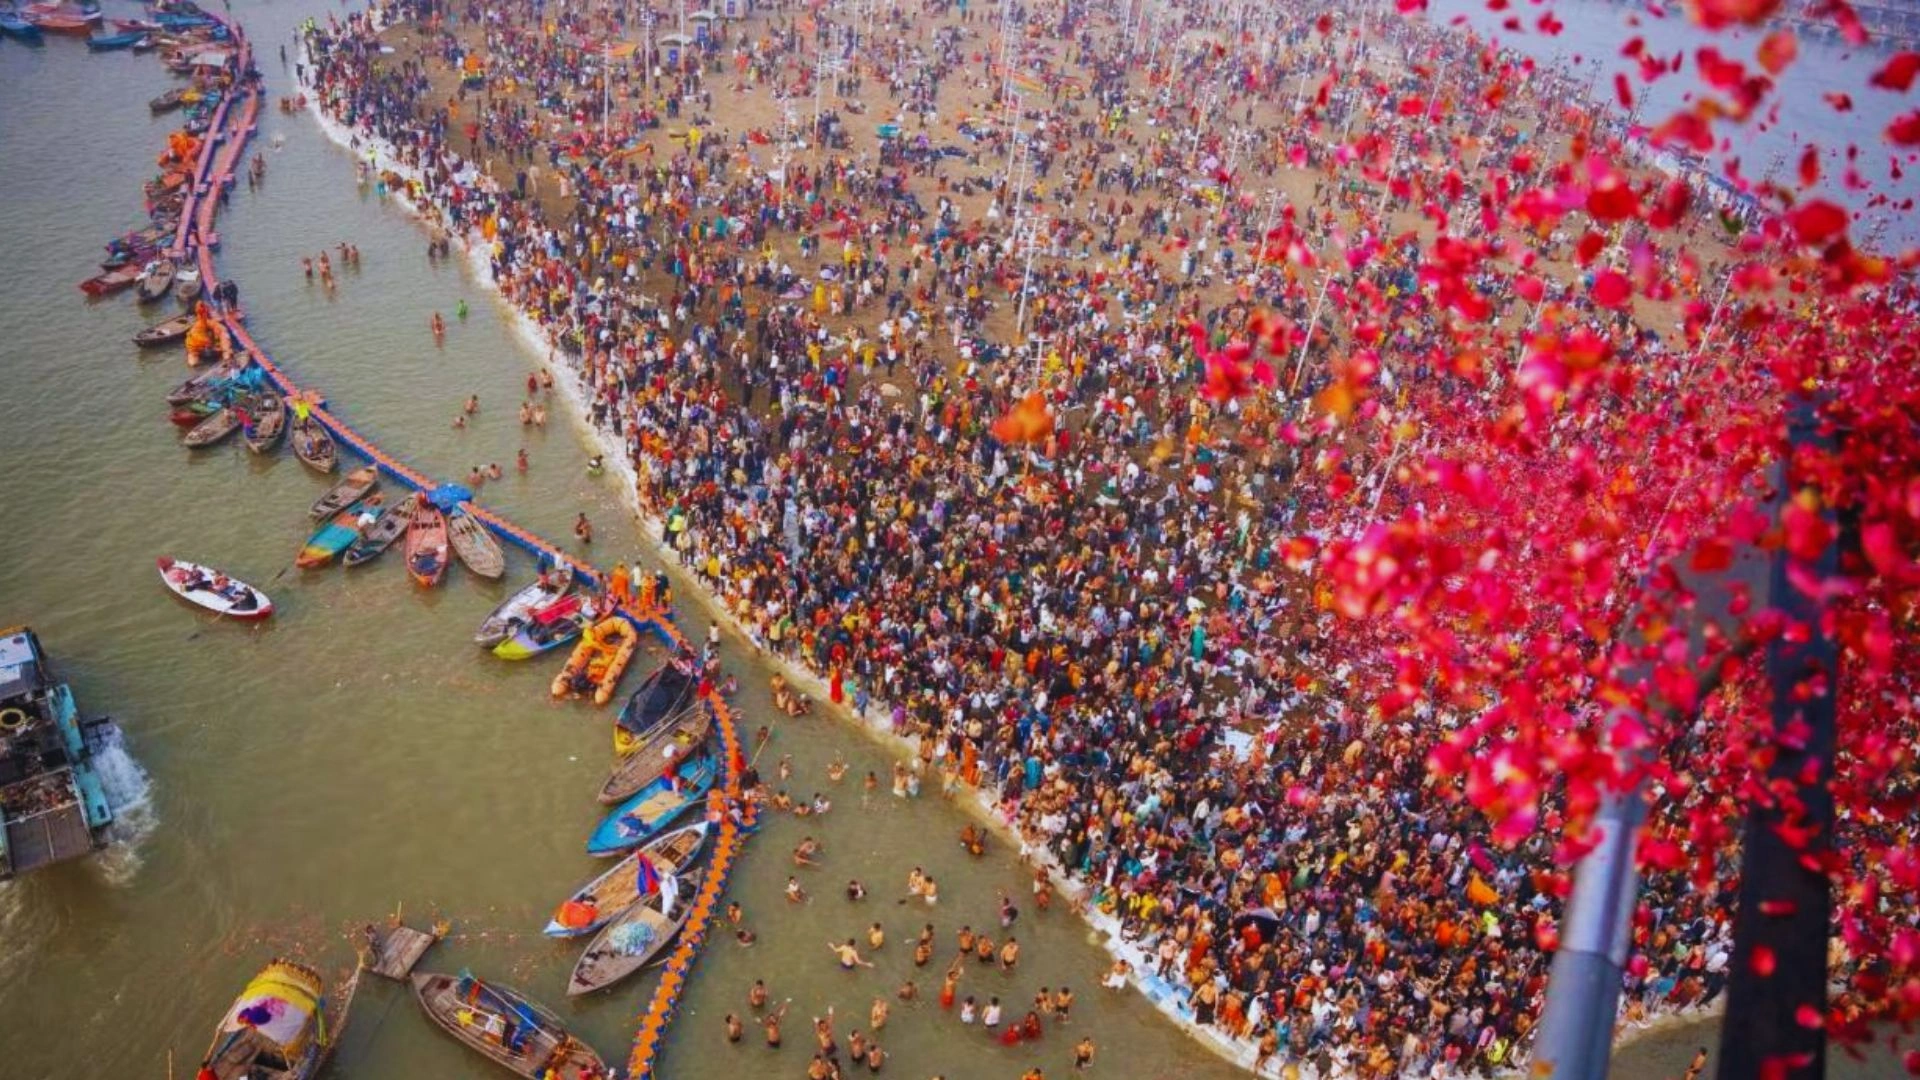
<point>605,650</point>
<point>62,23</point>
<point>215,428</point>
<point>111,281</point>
<point>109,42</point>
<point>594,904</point>
<point>183,20</point>
<point>190,414</point>
<point>170,100</point>
<point>267,422</point>
<point>187,285</point>
<point>504,1026</point>
<point>332,538</point>
<point>314,447</point>
<point>664,694</point>
<point>199,386</point>
<point>426,548</point>
<point>19,29</point>
<point>646,761</point>
<point>347,492</point>
<point>636,936</point>
<point>203,586</point>
<point>165,332</point>
<point>376,538</point>
<point>476,548</point>
<point>169,182</point>
<point>155,281</point>
<point>649,811</point>
<point>503,620</point>
<point>546,628</point>
<point>281,1027</point>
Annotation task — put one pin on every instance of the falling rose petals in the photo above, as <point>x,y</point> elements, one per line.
<point>1809,166</point>
<point>1029,422</point>
<point>1777,51</point>
<point>1905,129</point>
<point>1611,289</point>
<point>1761,962</point>
<point>1817,221</point>
<point>1610,198</point>
<point>1898,73</point>
<point>1715,14</point>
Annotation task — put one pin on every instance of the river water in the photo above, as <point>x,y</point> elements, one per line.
<point>358,754</point>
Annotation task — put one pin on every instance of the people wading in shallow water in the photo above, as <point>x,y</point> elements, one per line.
<point>583,529</point>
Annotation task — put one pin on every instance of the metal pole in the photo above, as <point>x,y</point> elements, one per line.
<point>1785,904</point>
<point>1313,321</point>
<point>1026,279</point>
<point>1583,988</point>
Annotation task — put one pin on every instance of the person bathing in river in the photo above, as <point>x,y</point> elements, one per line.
<point>849,956</point>
<point>787,701</point>
<point>583,529</point>
<point>974,839</point>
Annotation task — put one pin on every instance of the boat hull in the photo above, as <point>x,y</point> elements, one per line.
<point>651,810</point>
<point>175,573</point>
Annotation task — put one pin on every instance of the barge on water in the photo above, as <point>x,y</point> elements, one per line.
<point>53,806</point>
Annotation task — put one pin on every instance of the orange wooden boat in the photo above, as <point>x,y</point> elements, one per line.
<point>427,546</point>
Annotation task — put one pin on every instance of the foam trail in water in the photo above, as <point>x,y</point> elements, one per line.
<point>130,793</point>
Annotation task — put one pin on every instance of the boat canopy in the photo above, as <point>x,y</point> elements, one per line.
<point>278,1006</point>
<point>21,665</point>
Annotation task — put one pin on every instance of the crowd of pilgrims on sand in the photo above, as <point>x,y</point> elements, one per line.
<point>1078,628</point>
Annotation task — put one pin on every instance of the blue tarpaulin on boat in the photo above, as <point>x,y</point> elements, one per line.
<point>448,496</point>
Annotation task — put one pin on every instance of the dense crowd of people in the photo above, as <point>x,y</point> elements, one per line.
<point>804,343</point>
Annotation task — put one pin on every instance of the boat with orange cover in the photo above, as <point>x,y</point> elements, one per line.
<point>605,650</point>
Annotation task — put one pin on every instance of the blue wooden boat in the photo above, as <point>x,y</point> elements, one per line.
<point>654,807</point>
<point>109,42</point>
<point>19,29</point>
<point>331,539</point>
